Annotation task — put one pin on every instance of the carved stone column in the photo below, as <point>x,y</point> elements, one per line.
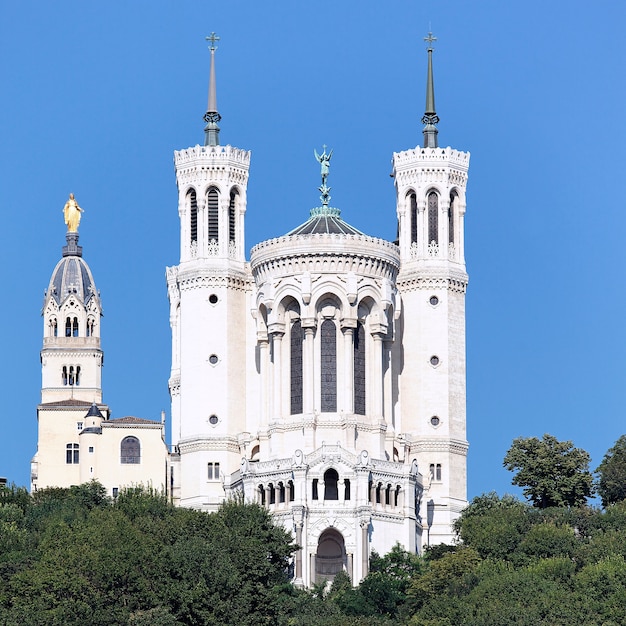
<point>277,331</point>
<point>364,523</point>
<point>348,327</point>
<point>308,366</point>
<point>376,392</point>
<point>265,377</point>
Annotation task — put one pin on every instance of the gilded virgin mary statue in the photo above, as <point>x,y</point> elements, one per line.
<point>71,213</point>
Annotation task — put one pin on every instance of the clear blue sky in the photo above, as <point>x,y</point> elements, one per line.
<point>97,95</point>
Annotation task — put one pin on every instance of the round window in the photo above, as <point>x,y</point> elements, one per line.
<point>434,360</point>
<point>213,359</point>
<point>434,300</point>
<point>213,298</point>
<point>434,420</point>
<point>213,420</point>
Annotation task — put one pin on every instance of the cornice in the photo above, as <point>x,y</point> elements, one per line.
<point>209,444</point>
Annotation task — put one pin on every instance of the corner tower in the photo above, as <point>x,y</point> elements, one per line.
<point>207,294</point>
<point>430,186</point>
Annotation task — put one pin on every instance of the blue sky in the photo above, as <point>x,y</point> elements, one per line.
<point>96,96</point>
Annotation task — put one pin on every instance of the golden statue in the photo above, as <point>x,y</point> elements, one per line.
<point>71,212</point>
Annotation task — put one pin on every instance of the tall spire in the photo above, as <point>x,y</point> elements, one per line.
<point>430,118</point>
<point>212,117</point>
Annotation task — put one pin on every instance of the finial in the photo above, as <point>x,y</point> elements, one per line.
<point>324,161</point>
<point>430,118</point>
<point>212,117</point>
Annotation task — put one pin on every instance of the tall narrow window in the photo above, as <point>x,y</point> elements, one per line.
<point>193,215</point>
<point>75,327</point>
<point>70,378</point>
<point>232,216</point>
<point>78,374</point>
<point>314,484</point>
<point>359,369</point>
<point>130,450</point>
<point>433,218</point>
<point>453,201</point>
<point>346,484</point>
<point>71,453</point>
<point>413,217</point>
<point>64,375</point>
<point>213,214</point>
<point>68,327</point>
<point>331,488</point>
<point>328,361</point>
<point>296,367</point>
<point>213,471</point>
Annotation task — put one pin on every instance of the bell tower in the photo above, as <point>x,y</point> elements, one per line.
<point>71,362</point>
<point>207,294</point>
<point>430,186</point>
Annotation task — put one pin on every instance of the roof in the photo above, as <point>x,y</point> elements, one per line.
<point>325,220</point>
<point>131,421</point>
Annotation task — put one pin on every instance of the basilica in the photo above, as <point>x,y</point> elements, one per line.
<point>321,375</point>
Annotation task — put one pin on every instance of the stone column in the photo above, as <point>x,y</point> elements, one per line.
<point>312,577</point>
<point>265,378</point>
<point>348,327</point>
<point>364,548</point>
<point>299,551</point>
<point>422,229</point>
<point>268,498</point>
<point>277,332</point>
<point>308,366</point>
<point>376,376</point>
<point>201,228</point>
<point>443,227</point>
<point>350,566</point>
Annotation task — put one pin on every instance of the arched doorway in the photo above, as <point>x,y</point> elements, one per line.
<point>331,555</point>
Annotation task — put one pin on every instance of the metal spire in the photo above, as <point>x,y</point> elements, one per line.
<point>212,117</point>
<point>430,118</point>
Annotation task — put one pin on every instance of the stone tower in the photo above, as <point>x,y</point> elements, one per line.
<point>71,367</point>
<point>430,186</point>
<point>207,294</point>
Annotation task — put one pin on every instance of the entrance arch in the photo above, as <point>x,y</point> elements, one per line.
<point>331,555</point>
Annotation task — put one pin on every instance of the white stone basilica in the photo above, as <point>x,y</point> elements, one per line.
<point>324,378</point>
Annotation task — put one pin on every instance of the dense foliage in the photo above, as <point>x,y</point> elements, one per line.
<point>73,556</point>
<point>612,473</point>
<point>551,472</point>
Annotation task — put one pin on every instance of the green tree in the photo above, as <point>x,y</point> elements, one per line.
<point>612,474</point>
<point>552,472</point>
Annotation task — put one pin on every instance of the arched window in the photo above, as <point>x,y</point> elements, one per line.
<point>262,494</point>
<point>346,483</point>
<point>359,369</point>
<point>71,453</point>
<point>291,491</point>
<point>296,367</point>
<point>413,216</point>
<point>193,215</point>
<point>53,327</point>
<point>213,214</point>
<point>78,374</point>
<point>232,215</point>
<point>331,488</point>
<point>64,375</point>
<point>451,211</point>
<point>75,327</point>
<point>433,217</point>
<point>314,484</point>
<point>68,327</point>
<point>130,450</point>
<point>70,377</point>
<point>328,361</point>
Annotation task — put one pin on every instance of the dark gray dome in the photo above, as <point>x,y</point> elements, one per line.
<point>325,220</point>
<point>72,275</point>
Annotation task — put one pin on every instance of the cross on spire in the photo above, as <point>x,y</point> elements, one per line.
<point>429,40</point>
<point>212,38</point>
